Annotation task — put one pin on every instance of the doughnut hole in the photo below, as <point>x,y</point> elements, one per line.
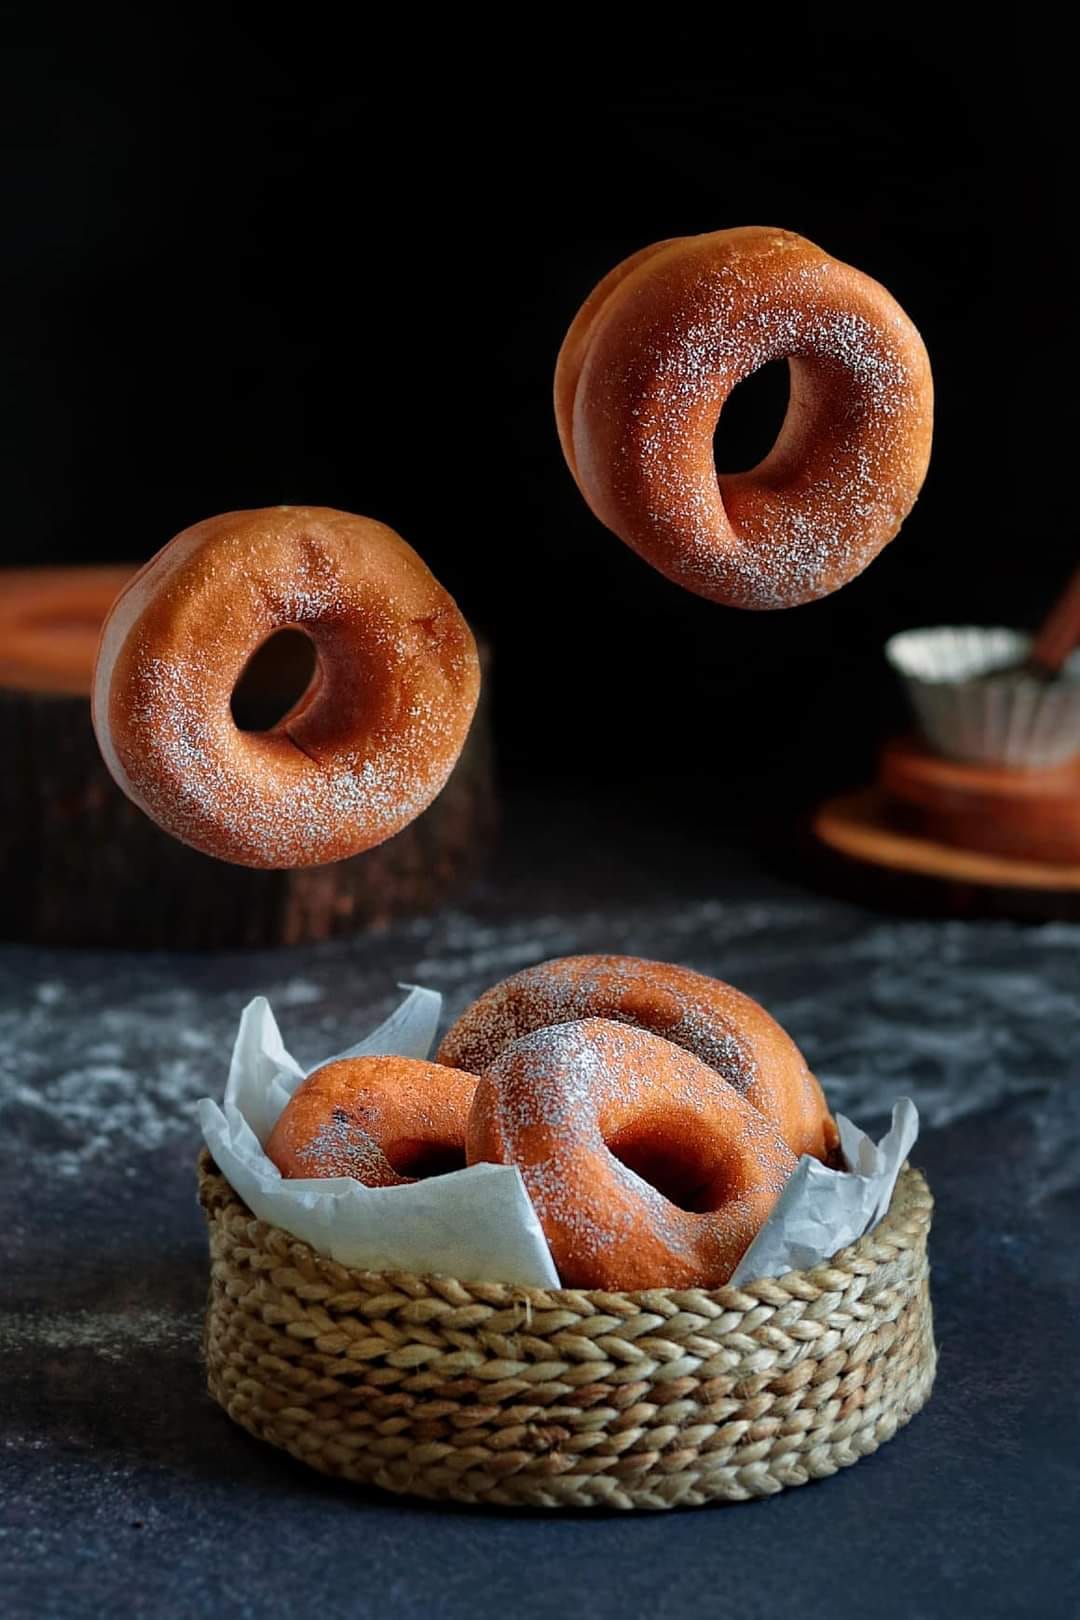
<point>750,422</point>
<point>421,1160</point>
<point>274,680</point>
<point>674,1161</point>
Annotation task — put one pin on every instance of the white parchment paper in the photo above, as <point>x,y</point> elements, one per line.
<point>479,1223</point>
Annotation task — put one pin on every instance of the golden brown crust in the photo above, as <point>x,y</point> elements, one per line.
<point>575,345</point>
<point>374,1119</point>
<point>729,1031</point>
<point>646,1169</point>
<point>363,752</point>
<point>649,364</point>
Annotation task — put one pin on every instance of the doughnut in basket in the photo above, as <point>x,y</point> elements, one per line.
<point>651,1159</point>
<point>385,1121</point>
<point>646,1168</point>
<point>720,1025</point>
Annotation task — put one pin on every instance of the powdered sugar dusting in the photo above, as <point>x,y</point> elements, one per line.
<point>340,1148</point>
<point>556,1095</point>
<point>688,1009</point>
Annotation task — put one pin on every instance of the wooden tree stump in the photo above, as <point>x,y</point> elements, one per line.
<point>83,866</point>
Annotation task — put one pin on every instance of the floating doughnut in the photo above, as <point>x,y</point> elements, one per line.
<point>718,1024</point>
<point>648,365</point>
<point>364,750</point>
<point>385,1121</point>
<point>645,1168</point>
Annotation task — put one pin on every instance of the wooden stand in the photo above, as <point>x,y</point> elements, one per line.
<point>986,839</point>
<point>1025,815</point>
<point>83,866</point>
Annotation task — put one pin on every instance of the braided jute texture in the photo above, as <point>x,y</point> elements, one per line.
<point>565,1398</point>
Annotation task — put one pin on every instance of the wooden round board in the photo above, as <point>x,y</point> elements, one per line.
<point>1024,815</point>
<point>856,826</point>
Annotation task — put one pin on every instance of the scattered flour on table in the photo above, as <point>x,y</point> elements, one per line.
<point>84,1074</point>
<point>110,1335</point>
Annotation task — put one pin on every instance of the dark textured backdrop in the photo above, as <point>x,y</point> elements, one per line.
<point>247,265</point>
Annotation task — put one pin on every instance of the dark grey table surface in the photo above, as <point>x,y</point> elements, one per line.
<point>123,1490</point>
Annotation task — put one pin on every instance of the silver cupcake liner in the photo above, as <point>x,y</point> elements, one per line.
<point>1019,722</point>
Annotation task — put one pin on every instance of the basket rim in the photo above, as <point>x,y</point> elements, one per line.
<point>904,1225</point>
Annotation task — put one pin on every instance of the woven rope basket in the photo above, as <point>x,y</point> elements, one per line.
<point>528,1397</point>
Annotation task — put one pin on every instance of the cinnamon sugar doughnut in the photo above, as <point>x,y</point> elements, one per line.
<point>648,365</point>
<point>717,1023</point>
<point>364,750</point>
<point>646,1169</point>
<point>384,1121</point>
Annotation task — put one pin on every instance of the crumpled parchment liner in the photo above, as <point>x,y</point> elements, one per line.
<point>478,1224</point>
<point>822,1210</point>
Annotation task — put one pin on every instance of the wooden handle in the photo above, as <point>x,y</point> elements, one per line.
<point>1059,632</point>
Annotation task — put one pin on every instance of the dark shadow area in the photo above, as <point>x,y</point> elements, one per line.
<point>274,680</point>
<point>752,418</point>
